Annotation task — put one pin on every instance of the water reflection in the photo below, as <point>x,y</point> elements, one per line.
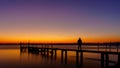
<point>80,60</point>
<point>21,58</point>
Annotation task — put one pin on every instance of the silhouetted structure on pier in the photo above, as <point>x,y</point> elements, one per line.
<point>79,43</point>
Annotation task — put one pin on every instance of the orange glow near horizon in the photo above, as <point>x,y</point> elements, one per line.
<point>57,40</point>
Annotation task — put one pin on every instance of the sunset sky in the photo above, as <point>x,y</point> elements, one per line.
<point>59,20</point>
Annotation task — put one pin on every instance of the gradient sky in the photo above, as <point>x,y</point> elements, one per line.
<point>59,20</point>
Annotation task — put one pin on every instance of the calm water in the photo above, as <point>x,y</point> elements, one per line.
<point>12,57</point>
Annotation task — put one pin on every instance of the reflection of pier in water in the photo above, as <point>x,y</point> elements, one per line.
<point>52,53</point>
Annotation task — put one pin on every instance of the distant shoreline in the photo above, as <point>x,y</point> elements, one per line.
<point>108,43</point>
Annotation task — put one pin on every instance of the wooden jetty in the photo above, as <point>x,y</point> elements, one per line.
<point>52,52</point>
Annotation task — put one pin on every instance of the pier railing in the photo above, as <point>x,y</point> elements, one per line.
<point>51,51</point>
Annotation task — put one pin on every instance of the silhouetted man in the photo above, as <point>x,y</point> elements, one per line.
<point>79,43</point>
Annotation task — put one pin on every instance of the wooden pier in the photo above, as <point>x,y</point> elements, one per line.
<point>52,52</point>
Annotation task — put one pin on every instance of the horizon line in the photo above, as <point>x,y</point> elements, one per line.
<point>55,43</point>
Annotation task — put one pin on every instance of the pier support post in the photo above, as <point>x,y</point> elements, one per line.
<point>44,51</point>
<point>62,55</point>
<point>119,58</point>
<point>41,50</point>
<point>55,54</point>
<point>47,52</point>
<point>107,60</point>
<point>102,60</point>
<point>51,53</point>
<point>66,56</point>
<point>81,59</point>
<point>77,57</point>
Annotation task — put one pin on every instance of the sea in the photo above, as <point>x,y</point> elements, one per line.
<point>11,56</point>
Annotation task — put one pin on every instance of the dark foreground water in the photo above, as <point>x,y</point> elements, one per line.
<point>12,57</point>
